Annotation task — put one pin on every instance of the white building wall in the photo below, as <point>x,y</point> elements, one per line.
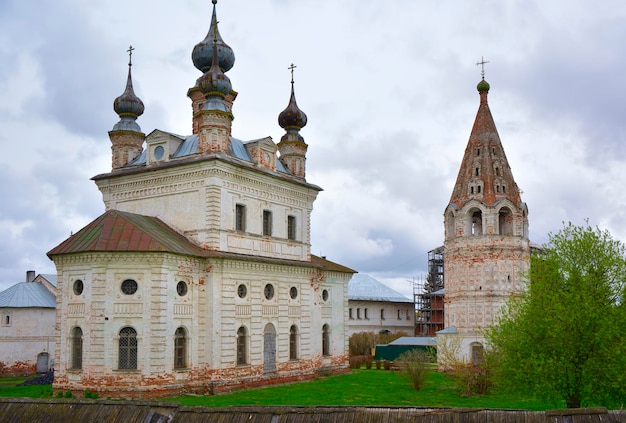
<point>26,333</point>
<point>374,316</point>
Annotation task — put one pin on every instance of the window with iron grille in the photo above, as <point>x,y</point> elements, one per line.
<point>242,346</point>
<point>180,348</point>
<point>291,227</point>
<point>267,223</point>
<point>77,348</point>
<point>240,218</point>
<point>293,343</point>
<point>127,349</point>
<point>325,340</point>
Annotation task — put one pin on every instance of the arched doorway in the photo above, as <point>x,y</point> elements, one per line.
<point>269,349</point>
<point>42,362</point>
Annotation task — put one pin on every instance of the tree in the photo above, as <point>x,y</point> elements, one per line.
<point>564,338</point>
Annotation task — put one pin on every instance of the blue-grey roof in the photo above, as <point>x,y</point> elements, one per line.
<point>27,294</point>
<point>429,341</point>
<point>451,329</point>
<point>366,288</point>
<point>50,277</point>
<point>189,146</point>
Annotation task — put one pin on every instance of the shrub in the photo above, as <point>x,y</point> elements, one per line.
<point>361,343</point>
<point>415,364</point>
<point>472,379</point>
<point>356,362</point>
<point>89,394</point>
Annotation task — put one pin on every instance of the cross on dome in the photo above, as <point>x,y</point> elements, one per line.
<point>291,68</point>
<point>482,64</point>
<point>130,55</point>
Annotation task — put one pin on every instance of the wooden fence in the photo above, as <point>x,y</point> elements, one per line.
<point>15,410</point>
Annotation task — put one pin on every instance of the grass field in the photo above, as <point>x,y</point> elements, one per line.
<point>367,387</point>
<point>360,387</point>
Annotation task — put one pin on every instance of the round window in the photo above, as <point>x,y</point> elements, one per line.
<point>78,287</point>
<point>242,291</point>
<point>181,288</point>
<point>293,292</point>
<point>159,151</point>
<point>269,291</point>
<point>129,287</point>
<point>325,295</point>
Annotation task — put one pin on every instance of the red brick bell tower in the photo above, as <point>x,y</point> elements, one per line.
<point>486,236</point>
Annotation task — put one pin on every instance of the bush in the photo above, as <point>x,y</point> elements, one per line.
<point>361,343</point>
<point>357,361</point>
<point>472,379</point>
<point>89,394</point>
<point>415,364</point>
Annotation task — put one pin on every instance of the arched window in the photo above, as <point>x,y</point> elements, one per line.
<point>326,340</point>
<point>475,222</point>
<point>180,348</point>
<point>127,349</point>
<point>77,348</point>
<point>242,346</point>
<point>293,342</point>
<point>505,222</point>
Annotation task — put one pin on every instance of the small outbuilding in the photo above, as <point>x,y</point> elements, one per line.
<point>394,349</point>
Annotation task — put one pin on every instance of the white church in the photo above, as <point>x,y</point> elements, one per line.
<point>199,276</point>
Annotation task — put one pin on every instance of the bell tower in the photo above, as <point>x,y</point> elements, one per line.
<point>486,236</point>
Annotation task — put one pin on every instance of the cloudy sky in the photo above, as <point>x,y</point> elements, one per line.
<point>389,89</point>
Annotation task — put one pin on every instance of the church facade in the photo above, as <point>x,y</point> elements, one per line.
<point>199,276</point>
<point>486,239</point>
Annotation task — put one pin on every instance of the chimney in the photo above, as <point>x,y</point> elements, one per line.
<point>30,275</point>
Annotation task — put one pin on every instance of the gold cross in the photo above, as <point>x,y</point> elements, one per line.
<point>482,65</point>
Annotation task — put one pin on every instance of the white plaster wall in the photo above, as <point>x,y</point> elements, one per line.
<point>31,331</point>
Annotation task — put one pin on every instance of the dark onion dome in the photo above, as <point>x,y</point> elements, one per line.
<point>292,117</point>
<point>129,107</point>
<point>483,86</point>
<point>202,54</point>
<point>214,82</point>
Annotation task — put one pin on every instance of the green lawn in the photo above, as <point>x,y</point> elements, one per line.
<point>8,388</point>
<point>366,387</point>
<point>360,387</point>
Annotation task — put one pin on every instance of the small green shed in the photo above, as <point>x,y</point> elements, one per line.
<point>392,350</point>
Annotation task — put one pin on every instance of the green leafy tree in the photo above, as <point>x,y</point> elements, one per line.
<point>564,338</point>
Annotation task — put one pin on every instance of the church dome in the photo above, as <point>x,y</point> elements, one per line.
<point>214,81</point>
<point>292,116</point>
<point>483,86</point>
<point>128,104</point>
<point>202,54</point>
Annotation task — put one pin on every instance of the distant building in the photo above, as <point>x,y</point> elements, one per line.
<point>27,329</point>
<point>429,296</point>
<point>374,307</point>
<point>199,276</point>
<point>486,237</point>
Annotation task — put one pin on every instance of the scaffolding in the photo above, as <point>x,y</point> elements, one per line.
<point>428,296</point>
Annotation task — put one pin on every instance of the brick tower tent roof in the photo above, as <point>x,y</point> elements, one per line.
<point>485,161</point>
